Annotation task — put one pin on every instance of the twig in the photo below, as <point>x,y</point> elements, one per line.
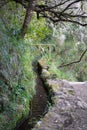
<point>64,65</point>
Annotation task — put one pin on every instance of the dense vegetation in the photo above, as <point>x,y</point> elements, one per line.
<point>56,44</point>
<point>17,79</point>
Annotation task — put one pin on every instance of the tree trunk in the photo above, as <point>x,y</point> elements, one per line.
<point>28,16</point>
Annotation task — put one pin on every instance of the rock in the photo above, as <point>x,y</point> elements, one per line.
<point>42,64</point>
<point>45,74</point>
<point>68,111</point>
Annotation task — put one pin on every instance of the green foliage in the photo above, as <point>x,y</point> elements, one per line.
<point>12,16</point>
<point>67,52</point>
<point>38,30</point>
<point>16,68</point>
<point>17,79</point>
<point>16,56</point>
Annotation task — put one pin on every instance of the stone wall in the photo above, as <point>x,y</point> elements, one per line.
<point>68,112</point>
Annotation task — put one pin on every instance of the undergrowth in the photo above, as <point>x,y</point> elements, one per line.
<point>17,79</point>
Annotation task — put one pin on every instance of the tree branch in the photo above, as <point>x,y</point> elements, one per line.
<point>74,62</point>
<point>69,5</point>
<point>57,11</point>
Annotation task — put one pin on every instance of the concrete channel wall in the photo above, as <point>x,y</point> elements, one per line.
<point>68,112</point>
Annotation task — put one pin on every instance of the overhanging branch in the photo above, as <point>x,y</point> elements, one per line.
<point>74,62</point>
<point>58,11</point>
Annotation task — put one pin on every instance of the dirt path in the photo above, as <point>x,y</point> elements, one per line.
<point>80,89</point>
<point>69,111</point>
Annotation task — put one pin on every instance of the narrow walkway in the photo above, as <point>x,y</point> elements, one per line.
<point>69,111</point>
<point>80,89</point>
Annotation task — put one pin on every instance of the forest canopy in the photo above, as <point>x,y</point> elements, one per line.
<point>73,11</point>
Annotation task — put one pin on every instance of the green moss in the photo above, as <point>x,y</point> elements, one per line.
<point>71,92</point>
